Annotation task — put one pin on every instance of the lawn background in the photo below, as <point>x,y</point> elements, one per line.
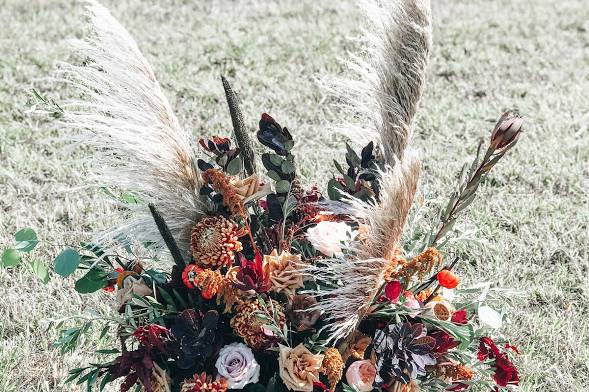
<point>488,56</point>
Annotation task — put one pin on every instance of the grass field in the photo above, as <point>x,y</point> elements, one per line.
<point>488,56</point>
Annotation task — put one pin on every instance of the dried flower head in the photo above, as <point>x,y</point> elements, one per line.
<point>285,272</point>
<point>249,188</point>
<point>506,131</point>
<point>300,313</point>
<point>215,240</point>
<point>419,265</point>
<point>203,383</point>
<point>333,367</point>
<point>221,183</point>
<point>247,323</point>
<point>357,347</point>
<point>454,372</point>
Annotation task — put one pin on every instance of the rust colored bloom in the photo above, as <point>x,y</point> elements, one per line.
<point>448,279</point>
<point>506,131</point>
<point>250,327</point>
<point>208,281</point>
<point>204,383</point>
<point>419,265</point>
<point>454,372</point>
<point>221,183</point>
<point>214,241</point>
<point>333,367</point>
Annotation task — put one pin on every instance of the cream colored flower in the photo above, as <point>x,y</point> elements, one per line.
<point>132,285</point>
<point>361,375</point>
<point>328,237</point>
<point>299,367</point>
<point>284,271</point>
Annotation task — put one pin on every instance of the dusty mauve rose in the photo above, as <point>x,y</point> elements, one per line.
<point>237,365</point>
<point>297,311</point>
<point>299,367</point>
<point>361,375</point>
<point>327,237</point>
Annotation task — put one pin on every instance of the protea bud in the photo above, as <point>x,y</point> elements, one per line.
<point>506,131</point>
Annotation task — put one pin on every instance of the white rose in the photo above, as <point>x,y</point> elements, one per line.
<point>237,365</point>
<point>327,237</point>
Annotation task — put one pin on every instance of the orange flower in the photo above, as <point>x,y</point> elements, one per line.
<point>448,279</point>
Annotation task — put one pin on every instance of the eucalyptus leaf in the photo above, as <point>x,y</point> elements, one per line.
<point>67,262</point>
<point>10,258</point>
<point>235,166</point>
<point>40,270</point>
<point>94,280</point>
<point>26,240</point>
<point>282,186</point>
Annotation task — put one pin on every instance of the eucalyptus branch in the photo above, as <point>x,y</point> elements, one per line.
<point>504,137</point>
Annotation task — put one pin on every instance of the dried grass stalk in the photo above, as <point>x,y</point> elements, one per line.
<point>137,144</point>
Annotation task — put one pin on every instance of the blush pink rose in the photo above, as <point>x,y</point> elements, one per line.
<point>361,375</point>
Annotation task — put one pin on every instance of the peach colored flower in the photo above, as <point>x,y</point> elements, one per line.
<point>299,367</point>
<point>361,375</point>
<point>284,271</point>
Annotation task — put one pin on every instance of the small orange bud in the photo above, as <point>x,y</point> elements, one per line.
<point>448,279</point>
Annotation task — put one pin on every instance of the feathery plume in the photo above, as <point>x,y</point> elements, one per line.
<point>136,141</point>
<point>389,76</point>
<point>239,130</point>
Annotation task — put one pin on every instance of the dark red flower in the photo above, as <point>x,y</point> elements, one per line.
<point>444,342</point>
<point>320,385</point>
<point>487,349</point>
<point>153,336</point>
<point>392,291</point>
<point>460,317</point>
<point>251,276</point>
<point>513,348</point>
<point>505,371</point>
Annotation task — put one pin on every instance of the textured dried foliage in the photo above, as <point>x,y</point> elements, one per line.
<point>389,83</point>
<point>136,141</point>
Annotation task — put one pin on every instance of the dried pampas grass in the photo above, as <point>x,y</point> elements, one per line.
<point>137,144</point>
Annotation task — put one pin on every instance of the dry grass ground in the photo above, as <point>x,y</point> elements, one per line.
<point>488,56</point>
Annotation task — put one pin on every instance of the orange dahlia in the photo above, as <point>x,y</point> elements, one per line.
<point>214,241</point>
<point>207,280</point>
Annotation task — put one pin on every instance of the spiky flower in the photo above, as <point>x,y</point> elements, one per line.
<point>215,240</point>
<point>332,366</point>
<point>204,383</point>
<point>247,323</point>
<point>403,351</point>
<point>285,272</point>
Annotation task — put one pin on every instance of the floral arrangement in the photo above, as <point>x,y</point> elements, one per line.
<point>275,286</point>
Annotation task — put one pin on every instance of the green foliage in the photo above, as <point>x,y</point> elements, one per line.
<point>26,240</point>
<point>67,262</point>
<point>94,280</point>
<point>40,270</point>
<point>10,258</point>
